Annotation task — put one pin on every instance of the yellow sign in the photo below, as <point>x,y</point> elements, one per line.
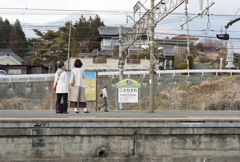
<point>128,83</point>
<point>90,89</point>
<point>90,85</point>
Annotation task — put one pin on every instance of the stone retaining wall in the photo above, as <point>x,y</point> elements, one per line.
<point>120,140</point>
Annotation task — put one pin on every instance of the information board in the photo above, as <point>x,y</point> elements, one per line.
<point>127,95</point>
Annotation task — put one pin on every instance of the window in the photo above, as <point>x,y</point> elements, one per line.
<point>33,71</point>
<point>15,72</point>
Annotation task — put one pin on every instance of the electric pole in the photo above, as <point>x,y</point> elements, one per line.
<point>69,39</point>
<point>151,70</point>
<point>221,45</point>
<point>188,42</point>
<point>121,59</point>
<point>147,22</point>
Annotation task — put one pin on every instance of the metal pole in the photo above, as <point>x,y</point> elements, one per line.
<point>17,104</point>
<point>39,104</point>
<point>188,42</point>
<point>121,59</point>
<point>69,39</point>
<point>208,105</point>
<point>167,104</point>
<point>116,98</point>
<point>146,104</point>
<point>151,70</point>
<point>221,46</point>
<point>139,89</point>
<point>228,104</point>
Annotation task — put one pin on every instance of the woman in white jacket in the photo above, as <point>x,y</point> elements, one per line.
<point>77,96</point>
<point>63,87</point>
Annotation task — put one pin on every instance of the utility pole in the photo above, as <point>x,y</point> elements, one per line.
<point>151,70</point>
<point>188,42</point>
<point>69,39</point>
<point>121,59</point>
<point>221,45</point>
<point>146,22</point>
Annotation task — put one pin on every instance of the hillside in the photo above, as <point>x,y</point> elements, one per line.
<point>222,94</point>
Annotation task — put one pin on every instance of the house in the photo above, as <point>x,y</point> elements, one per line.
<point>168,54</point>
<point>7,57</point>
<point>109,38</point>
<point>215,54</point>
<point>15,65</point>
<point>193,40</point>
<point>24,69</point>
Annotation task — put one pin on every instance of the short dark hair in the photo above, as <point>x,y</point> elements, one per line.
<point>60,65</point>
<point>78,63</point>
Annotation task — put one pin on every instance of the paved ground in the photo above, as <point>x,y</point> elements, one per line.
<point>120,114</point>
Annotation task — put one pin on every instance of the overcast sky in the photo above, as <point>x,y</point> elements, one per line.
<point>221,7</point>
<point>113,12</point>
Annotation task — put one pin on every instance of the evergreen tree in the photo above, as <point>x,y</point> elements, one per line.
<point>93,33</point>
<point>5,30</point>
<point>74,51</point>
<point>6,35</point>
<point>18,42</point>
<point>83,38</point>
<point>1,33</point>
<point>20,32</point>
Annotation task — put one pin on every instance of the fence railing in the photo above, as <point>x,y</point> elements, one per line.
<point>142,105</point>
<point>27,78</point>
<point>50,77</point>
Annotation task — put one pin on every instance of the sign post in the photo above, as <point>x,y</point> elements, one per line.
<point>128,91</point>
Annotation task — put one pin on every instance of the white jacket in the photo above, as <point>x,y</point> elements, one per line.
<point>77,77</point>
<point>105,93</point>
<point>63,83</point>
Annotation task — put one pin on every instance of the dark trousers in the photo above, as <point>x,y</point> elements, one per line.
<point>65,97</point>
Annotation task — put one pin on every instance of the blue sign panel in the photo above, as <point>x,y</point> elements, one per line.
<point>89,75</point>
<point>69,73</point>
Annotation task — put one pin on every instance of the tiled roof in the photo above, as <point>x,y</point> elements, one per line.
<point>184,36</point>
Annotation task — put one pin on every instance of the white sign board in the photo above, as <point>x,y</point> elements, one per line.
<point>127,95</point>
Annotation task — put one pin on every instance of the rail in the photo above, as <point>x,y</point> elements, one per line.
<point>50,77</point>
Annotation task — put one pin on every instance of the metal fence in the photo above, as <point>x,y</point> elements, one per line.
<point>142,105</point>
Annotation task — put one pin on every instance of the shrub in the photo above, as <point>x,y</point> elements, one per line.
<point>133,56</point>
<point>141,55</point>
<point>182,65</point>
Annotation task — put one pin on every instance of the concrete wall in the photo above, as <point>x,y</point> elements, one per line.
<point>120,141</point>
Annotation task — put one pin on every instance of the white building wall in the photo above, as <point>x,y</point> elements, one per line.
<point>109,43</point>
<point>6,61</point>
<point>111,64</point>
